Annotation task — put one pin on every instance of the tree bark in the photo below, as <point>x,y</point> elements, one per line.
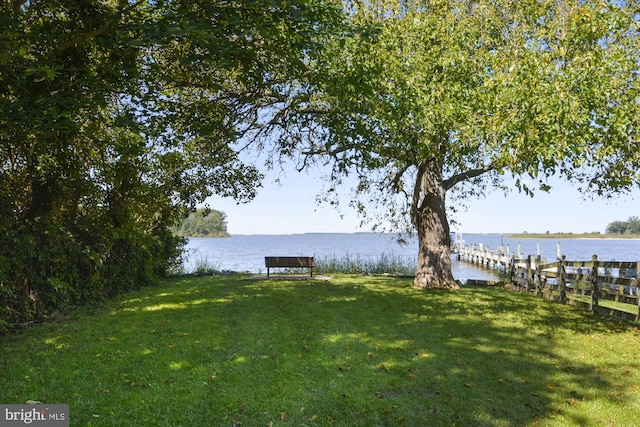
<point>429,216</point>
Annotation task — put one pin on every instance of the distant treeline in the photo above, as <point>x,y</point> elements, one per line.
<point>558,235</point>
<point>630,226</point>
<point>203,223</point>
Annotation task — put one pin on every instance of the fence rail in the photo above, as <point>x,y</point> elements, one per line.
<point>564,280</point>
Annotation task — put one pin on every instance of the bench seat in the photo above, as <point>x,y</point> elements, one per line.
<point>289,262</point>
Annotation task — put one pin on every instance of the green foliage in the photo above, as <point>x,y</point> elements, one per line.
<point>203,223</point>
<point>119,117</point>
<point>630,226</point>
<point>434,101</point>
<point>353,351</point>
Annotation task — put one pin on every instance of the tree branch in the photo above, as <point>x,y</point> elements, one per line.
<point>85,36</point>
<point>17,4</point>
<point>417,191</point>
<point>469,174</point>
<point>325,152</point>
<point>396,178</point>
<point>97,32</point>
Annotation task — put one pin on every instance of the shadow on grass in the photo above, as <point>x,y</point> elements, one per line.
<point>353,351</point>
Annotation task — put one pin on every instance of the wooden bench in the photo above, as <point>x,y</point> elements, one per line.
<point>289,262</point>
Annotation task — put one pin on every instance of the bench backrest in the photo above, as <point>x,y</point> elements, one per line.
<point>289,261</point>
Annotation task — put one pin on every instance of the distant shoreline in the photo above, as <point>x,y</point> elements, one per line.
<point>584,236</point>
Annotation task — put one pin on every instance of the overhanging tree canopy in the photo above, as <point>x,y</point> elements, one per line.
<point>436,97</point>
<point>117,117</point>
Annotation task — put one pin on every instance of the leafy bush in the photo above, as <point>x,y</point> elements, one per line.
<point>44,269</point>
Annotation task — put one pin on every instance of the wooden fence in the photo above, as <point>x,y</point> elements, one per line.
<point>566,281</point>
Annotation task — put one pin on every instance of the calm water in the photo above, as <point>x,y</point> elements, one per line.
<point>247,252</point>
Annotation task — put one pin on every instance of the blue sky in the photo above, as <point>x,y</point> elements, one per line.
<point>289,207</point>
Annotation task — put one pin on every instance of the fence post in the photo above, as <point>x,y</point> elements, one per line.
<point>529,275</point>
<point>638,288</point>
<point>562,279</point>
<point>539,274</point>
<point>621,274</point>
<point>594,284</point>
<point>512,270</point>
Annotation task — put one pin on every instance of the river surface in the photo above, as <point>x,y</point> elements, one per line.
<point>245,253</point>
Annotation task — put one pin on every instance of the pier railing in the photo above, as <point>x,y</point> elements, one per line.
<point>583,283</point>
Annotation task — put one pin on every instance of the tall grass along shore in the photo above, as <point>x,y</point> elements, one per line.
<point>345,264</point>
<point>352,351</point>
<point>356,264</point>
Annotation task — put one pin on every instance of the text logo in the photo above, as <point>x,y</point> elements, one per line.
<point>34,415</point>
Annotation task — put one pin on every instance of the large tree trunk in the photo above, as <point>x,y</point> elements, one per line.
<point>430,219</point>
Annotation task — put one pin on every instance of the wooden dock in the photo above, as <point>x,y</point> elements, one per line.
<point>565,281</point>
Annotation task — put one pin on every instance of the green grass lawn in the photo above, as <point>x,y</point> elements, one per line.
<point>353,351</point>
